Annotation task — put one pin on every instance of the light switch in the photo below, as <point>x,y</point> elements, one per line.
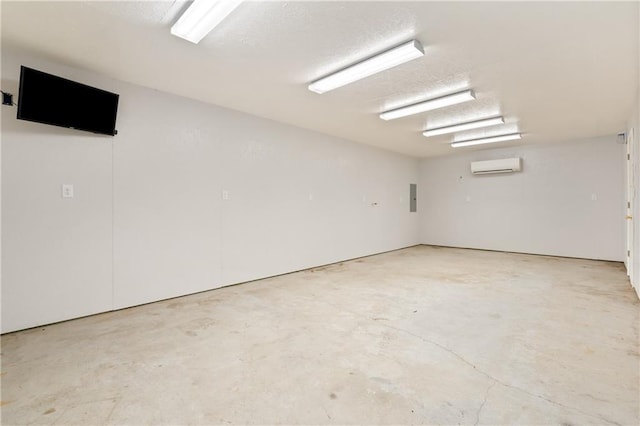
<point>594,197</point>
<point>225,194</point>
<point>67,190</point>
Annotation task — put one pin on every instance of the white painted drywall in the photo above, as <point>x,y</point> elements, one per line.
<point>56,257</point>
<point>633,128</point>
<point>545,209</point>
<point>148,220</point>
<point>633,124</point>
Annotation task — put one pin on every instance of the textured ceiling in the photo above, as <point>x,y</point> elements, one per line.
<point>556,71</point>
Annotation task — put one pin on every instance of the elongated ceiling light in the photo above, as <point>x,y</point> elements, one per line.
<point>492,139</point>
<point>431,104</point>
<point>202,17</point>
<point>485,122</point>
<point>383,61</point>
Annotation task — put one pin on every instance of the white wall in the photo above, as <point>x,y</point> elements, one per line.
<point>633,128</point>
<point>545,209</point>
<point>148,221</point>
<point>633,125</point>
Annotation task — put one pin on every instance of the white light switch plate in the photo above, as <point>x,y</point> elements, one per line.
<point>67,190</point>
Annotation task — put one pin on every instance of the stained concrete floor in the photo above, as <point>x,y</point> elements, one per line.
<point>422,335</point>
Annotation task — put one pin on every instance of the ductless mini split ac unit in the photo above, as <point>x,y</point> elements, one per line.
<point>505,165</point>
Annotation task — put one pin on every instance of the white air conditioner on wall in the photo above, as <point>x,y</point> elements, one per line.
<point>505,165</point>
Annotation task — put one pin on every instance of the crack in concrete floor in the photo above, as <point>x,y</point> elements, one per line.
<point>484,401</point>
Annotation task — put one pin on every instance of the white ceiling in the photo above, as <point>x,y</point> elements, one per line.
<point>556,71</point>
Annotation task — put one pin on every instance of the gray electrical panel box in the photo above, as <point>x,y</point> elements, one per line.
<point>413,198</point>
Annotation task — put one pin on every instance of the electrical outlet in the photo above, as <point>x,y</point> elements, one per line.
<point>7,98</point>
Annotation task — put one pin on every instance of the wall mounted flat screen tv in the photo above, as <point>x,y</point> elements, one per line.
<point>46,98</point>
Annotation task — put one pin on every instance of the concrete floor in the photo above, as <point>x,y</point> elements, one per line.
<point>421,335</point>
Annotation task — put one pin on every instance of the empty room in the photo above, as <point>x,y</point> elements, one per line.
<point>320,212</point>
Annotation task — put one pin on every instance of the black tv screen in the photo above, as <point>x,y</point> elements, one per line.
<point>48,99</point>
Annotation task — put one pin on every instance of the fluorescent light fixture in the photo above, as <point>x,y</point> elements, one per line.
<point>375,64</point>
<point>492,139</point>
<point>431,104</point>
<point>485,122</point>
<point>202,17</point>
